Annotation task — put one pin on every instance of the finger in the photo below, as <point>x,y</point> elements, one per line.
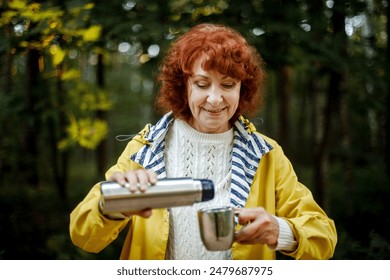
<point>143,179</point>
<point>152,176</point>
<point>252,219</point>
<point>257,237</point>
<point>146,213</point>
<point>131,180</point>
<point>249,239</point>
<point>261,230</point>
<point>263,237</point>
<point>118,177</point>
<point>246,216</point>
<point>246,233</point>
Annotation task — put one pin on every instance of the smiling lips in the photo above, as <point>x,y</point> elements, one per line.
<point>215,111</point>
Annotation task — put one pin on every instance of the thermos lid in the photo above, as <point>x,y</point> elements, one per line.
<point>207,189</point>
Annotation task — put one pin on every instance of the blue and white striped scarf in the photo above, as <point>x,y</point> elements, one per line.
<point>248,149</point>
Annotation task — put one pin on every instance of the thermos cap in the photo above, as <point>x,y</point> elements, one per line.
<point>207,189</point>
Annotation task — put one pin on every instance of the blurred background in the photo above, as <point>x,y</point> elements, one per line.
<point>76,74</point>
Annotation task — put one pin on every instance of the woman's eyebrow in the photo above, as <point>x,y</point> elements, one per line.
<point>200,76</point>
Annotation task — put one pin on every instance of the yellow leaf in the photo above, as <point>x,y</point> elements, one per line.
<point>47,40</point>
<point>63,144</point>
<point>58,54</point>
<point>34,6</point>
<point>71,75</point>
<point>17,4</point>
<point>89,6</point>
<point>23,44</point>
<point>7,16</point>
<point>86,132</point>
<point>35,45</point>
<point>144,58</point>
<point>92,33</point>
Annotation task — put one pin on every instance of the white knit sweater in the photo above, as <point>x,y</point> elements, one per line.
<point>190,153</point>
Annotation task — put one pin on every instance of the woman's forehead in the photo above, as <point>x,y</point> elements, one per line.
<point>199,69</point>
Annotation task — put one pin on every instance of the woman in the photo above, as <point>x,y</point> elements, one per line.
<point>210,78</point>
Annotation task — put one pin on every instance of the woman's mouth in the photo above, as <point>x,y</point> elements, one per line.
<point>215,111</point>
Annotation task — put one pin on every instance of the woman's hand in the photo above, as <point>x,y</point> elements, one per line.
<point>259,227</point>
<point>136,180</point>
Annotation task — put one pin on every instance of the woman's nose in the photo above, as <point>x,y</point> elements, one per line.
<point>215,97</point>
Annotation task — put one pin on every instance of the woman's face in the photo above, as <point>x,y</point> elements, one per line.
<point>213,99</point>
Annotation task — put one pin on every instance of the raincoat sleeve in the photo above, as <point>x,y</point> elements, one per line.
<point>89,229</point>
<point>314,231</point>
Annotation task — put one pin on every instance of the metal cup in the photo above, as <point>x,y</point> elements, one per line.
<point>216,225</point>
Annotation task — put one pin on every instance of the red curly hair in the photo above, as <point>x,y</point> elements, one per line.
<point>227,52</point>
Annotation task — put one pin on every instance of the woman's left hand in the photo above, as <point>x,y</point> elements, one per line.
<point>259,227</point>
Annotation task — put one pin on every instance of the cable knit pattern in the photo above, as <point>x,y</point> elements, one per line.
<point>190,153</point>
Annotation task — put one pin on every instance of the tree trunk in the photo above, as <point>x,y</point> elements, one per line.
<point>29,164</point>
<point>6,88</point>
<point>333,105</point>
<point>315,89</point>
<point>387,148</point>
<point>57,131</point>
<point>319,116</point>
<point>301,124</point>
<point>284,92</point>
<point>101,151</point>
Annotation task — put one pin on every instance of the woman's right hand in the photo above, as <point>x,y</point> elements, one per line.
<point>136,180</point>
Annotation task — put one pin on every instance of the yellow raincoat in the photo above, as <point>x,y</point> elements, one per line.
<point>274,186</point>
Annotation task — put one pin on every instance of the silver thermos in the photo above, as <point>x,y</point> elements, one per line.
<point>165,193</point>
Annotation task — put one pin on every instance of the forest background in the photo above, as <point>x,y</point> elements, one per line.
<point>76,74</point>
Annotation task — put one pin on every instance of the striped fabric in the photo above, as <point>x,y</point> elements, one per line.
<point>248,149</point>
<point>152,156</point>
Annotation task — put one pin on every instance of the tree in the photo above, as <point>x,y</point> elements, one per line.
<point>388,93</point>
<point>43,34</point>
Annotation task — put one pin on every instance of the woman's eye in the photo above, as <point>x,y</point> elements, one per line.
<point>229,85</point>
<point>201,85</point>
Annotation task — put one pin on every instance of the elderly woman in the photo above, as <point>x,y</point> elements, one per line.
<point>210,79</point>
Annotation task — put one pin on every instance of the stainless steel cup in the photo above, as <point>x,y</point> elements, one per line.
<point>216,225</point>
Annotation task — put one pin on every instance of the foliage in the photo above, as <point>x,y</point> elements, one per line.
<point>84,132</point>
